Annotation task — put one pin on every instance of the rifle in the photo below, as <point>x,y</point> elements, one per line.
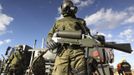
<point>88,41</point>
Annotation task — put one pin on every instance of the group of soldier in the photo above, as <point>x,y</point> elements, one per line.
<point>70,59</point>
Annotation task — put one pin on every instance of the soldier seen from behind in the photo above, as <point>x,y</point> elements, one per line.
<point>70,59</point>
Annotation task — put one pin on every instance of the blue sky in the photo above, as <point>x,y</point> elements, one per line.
<point>23,21</point>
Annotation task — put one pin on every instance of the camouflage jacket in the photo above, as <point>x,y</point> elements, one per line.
<point>68,24</point>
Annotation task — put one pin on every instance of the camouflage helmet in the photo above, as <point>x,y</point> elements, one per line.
<point>68,8</point>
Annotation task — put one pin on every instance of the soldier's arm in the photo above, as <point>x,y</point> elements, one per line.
<point>87,29</point>
<point>51,32</point>
<point>84,27</point>
<point>18,55</point>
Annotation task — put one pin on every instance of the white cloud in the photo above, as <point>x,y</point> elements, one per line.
<point>110,19</point>
<point>106,18</point>
<point>59,12</point>
<point>109,36</point>
<point>7,31</point>
<point>128,34</point>
<point>60,17</point>
<point>8,40</point>
<point>129,20</point>
<point>130,10</point>
<point>2,42</point>
<point>83,3</point>
<point>5,20</point>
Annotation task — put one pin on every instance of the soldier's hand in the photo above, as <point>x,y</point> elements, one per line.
<point>52,45</point>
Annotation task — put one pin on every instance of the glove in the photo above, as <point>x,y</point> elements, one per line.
<point>52,45</point>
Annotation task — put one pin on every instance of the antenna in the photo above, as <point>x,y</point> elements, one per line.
<point>43,42</point>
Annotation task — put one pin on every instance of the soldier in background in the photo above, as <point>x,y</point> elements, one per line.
<point>70,59</point>
<point>15,66</point>
<point>125,68</point>
<point>18,61</point>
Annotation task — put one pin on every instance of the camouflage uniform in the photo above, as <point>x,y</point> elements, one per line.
<point>15,64</point>
<point>18,62</point>
<point>71,60</point>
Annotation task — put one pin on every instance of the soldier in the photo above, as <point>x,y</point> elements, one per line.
<point>18,62</point>
<point>126,68</point>
<point>70,59</point>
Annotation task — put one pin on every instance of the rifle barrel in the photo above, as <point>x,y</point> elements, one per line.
<point>125,47</point>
